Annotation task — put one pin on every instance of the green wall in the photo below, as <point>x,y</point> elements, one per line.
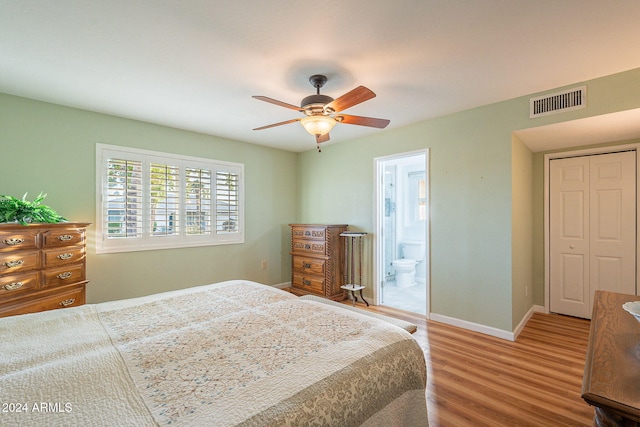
<point>51,148</point>
<point>484,192</point>
<point>522,225</point>
<point>487,257</point>
<point>470,190</point>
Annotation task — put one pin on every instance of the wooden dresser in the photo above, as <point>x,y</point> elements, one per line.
<point>317,257</point>
<point>42,267</point>
<point>611,379</point>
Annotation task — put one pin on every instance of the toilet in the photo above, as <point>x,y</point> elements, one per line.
<point>412,254</point>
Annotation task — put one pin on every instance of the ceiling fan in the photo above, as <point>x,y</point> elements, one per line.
<point>322,112</point>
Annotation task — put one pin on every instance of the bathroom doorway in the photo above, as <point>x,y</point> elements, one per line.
<point>402,224</point>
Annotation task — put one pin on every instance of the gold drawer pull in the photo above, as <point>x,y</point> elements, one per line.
<point>306,265</point>
<point>307,233</point>
<point>64,275</point>
<point>13,241</point>
<point>16,263</point>
<point>65,237</point>
<point>64,256</point>
<point>306,282</point>
<point>67,302</point>
<point>307,246</point>
<point>13,286</point>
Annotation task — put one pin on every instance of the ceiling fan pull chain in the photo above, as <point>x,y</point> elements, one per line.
<point>319,150</point>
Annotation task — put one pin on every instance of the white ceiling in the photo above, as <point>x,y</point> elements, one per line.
<point>620,126</point>
<point>194,64</point>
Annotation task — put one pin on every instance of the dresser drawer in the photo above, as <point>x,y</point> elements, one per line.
<point>309,265</point>
<point>14,284</point>
<point>56,238</point>
<point>309,283</point>
<point>64,276</point>
<point>18,240</point>
<point>309,246</point>
<point>308,232</point>
<point>65,298</point>
<point>62,256</point>
<point>13,262</point>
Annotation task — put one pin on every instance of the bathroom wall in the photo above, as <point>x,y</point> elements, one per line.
<point>410,227</point>
<point>390,216</point>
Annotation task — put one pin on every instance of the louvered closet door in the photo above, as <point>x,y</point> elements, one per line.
<point>592,229</point>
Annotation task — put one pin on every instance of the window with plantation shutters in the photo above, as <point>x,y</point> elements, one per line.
<point>198,202</point>
<point>123,207</point>
<point>151,200</point>
<point>227,209</point>
<point>164,203</point>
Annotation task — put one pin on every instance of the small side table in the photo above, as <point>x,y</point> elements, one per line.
<point>352,289</point>
<point>353,246</point>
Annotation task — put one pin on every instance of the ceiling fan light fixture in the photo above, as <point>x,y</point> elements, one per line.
<point>318,125</point>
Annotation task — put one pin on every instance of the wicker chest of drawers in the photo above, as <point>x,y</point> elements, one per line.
<point>42,267</point>
<point>317,257</point>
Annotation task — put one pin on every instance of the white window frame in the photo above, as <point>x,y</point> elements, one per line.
<point>147,241</point>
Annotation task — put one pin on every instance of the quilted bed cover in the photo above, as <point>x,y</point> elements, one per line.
<point>231,353</point>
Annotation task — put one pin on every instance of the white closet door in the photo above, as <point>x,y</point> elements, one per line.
<point>569,236</point>
<point>592,230</point>
<point>613,223</point>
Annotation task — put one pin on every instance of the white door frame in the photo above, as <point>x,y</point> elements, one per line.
<point>378,244</point>
<point>589,151</point>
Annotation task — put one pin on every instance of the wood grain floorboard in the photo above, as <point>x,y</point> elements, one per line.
<point>479,380</point>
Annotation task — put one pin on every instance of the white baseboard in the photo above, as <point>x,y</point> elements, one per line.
<point>282,285</point>
<point>471,326</point>
<point>488,330</point>
<point>539,309</point>
<point>523,322</point>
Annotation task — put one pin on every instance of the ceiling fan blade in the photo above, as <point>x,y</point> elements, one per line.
<point>276,102</point>
<point>322,138</point>
<point>362,121</point>
<point>349,99</point>
<point>278,124</point>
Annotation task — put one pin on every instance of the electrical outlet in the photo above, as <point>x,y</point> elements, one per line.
<point>264,264</point>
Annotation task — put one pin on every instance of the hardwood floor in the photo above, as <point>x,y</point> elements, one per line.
<point>478,380</point>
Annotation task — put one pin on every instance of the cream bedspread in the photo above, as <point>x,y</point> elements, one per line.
<point>233,353</point>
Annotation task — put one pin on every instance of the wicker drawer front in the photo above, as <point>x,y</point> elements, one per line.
<point>13,262</point>
<point>62,256</point>
<point>56,238</point>
<point>308,233</point>
<point>309,265</point>
<point>18,283</point>
<point>12,241</point>
<point>64,276</point>
<point>310,283</point>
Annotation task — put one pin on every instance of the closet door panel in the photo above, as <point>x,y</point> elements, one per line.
<point>569,236</point>
<point>613,222</point>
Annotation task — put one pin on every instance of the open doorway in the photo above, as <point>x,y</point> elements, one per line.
<point>402,224</point>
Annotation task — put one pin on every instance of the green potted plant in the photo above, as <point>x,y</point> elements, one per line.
<point>25,212</point>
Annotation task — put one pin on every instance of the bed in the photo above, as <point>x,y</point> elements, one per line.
<point>231,353</point>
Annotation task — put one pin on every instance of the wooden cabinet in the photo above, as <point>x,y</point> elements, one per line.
<point>317,258</point>
<point>612,367</point>
<point>42,267</point>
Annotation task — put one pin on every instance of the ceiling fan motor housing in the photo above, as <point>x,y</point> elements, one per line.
<point>314,104</point>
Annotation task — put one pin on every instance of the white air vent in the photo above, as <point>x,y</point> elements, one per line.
<point>559,102</point>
